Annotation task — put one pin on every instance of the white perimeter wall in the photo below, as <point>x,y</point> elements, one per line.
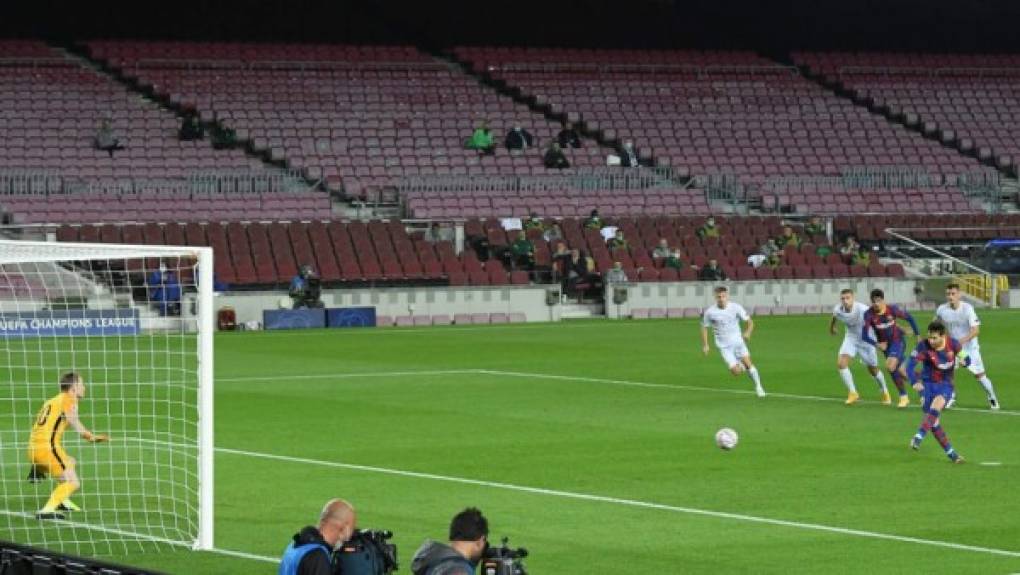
<point>531,300</point>
<point>410,301</point>
<point>751,294</point>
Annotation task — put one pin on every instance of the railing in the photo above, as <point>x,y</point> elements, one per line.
<point>47,183</point>
<point>983,286</point>
<point>928,71</point>
<point>593,180</point>
<point>38,62</point>
<point>888,177</point>
<point>250,65</point>
<point>700,71</point>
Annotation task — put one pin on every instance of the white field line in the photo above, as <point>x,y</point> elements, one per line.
<point>628,503</point>
<point>578,379</point>
<point>350,375</point>
<point>629,383</point>
<point>132,534</point>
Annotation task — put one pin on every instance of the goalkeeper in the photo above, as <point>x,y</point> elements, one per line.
<point>45,451</point>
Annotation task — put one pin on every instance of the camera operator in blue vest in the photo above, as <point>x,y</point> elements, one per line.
<point>469,533</point>
<point>311,551</point>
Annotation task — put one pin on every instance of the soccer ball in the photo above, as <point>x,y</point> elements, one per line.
<point>726,438</point>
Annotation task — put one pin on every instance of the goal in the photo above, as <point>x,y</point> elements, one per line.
<point>137,323</point>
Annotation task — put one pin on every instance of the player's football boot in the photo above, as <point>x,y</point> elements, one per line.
<point>68,505</point>
<point>915,442</point>
<point>904,401</point>
<point>760,391</point>
<point>993,404</point>
<point>886,398</point>
<point>852,398</point>
<point>49,515</point>
<point>956,457</point>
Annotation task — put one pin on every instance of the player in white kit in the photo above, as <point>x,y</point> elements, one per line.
<point>724,318</point>
<point>851,313</point>
<point>964,326</point>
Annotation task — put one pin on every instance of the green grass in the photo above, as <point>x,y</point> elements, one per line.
<point>799,460</point>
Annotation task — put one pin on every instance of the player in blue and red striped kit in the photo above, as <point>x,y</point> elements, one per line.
<point>890,338</point>
<point>938,356</point>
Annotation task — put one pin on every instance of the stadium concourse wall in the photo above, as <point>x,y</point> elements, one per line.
<point>396,301</point>
<point>533,301</point>
<point>758,294</point>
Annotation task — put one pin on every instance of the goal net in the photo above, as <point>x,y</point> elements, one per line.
<point>136,323</point>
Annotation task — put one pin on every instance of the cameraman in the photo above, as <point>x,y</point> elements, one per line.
<point>305,289</point>
<point>469,532</point>
<point>311,550</point>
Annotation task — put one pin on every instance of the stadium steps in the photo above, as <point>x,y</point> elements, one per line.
<point>891,114</point>
<point>80,54</point>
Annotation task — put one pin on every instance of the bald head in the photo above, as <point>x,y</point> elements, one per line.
<point>337,521</point>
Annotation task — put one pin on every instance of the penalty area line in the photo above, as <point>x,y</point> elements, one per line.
<point>626,502</point>
<point>136,535</point>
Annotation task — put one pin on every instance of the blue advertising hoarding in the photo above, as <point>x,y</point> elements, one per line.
<point>350,317</point>
<point>57,323</point>
<point>293,318</point>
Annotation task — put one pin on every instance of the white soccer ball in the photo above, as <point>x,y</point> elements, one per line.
<point>726,438</point>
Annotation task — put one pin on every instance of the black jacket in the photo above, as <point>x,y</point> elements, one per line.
<point>628,162</point>
<point>555,159</point>
<point>434,558</point>
<point>519,140</point>
<point>710,274</point>
<point>313,563</point>
<point>568,139</point>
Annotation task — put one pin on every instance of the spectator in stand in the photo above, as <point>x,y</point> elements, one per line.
<point>628,155</point>
<point>579,270</point>
<point>222,137</point>
<point>560,262</point>
<point>481,140</point>
<point>849,249</point>
<point>770,253</point>
<point>519,139</point>
<point>191,127</point>
<point>674,261</point>
<point>708,229</point>
<point>788,238</point>
<point>862,258</point>
<point>165,291</point>
<point>106,140</point>
<point>594,222</point>
<point>618,241</point>
<point>712,272</point>
<point>814,228</point>
<point>523,252</point>
<point>311,551</point>
<point>662,250</point>
<point>568,137</point>
<point>534,222</point>
<point>553,234</point>
<point>823,250</point>
<point>554,158</point>
<point>616,275</point>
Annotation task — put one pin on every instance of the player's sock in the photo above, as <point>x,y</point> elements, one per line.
<point>848,379</point>
<point>940,435</point>
<point>62,492</point>
<point>987,384</point>
<point>881,382</point>
<point>897,379</point>
<point>928,423</point>
<point>753,374</point>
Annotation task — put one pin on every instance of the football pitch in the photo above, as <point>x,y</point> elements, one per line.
<point>591,444</point>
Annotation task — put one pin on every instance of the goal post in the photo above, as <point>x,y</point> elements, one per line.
<point>137,323</point>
